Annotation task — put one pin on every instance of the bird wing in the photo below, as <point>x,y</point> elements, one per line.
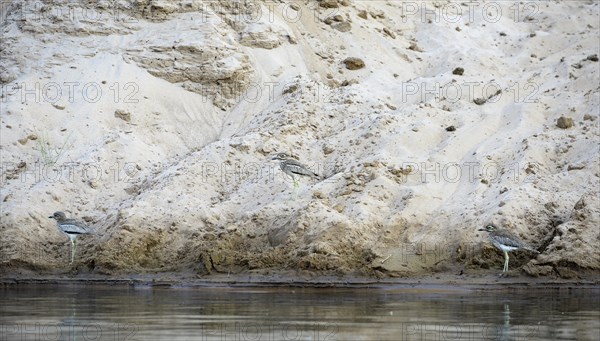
<point>509,239</point>
<point>298,168</point>
<point>75,226</point>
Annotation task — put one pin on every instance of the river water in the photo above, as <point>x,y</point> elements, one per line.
<point>95,312</point>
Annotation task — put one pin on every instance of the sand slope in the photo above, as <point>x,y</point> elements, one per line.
<point>155,122</point>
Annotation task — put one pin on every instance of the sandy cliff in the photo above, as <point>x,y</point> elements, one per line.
<point>155,121</point>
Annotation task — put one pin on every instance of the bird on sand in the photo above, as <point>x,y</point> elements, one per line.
<point>71,227</point>
<point>292,167</point>
<point>505,241</point>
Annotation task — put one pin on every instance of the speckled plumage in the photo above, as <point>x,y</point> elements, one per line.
<point>292,167</point>
<point>72,228</point>
<point>69,225</point>
<point>505,241</point>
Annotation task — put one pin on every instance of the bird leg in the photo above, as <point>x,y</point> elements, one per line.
<point>505,262</point>
<point>73,246</point>
<point>295,190</point>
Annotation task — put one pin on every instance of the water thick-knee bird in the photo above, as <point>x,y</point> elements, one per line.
<point>505,241</point>
<point>71,227</point>
<point>292,167</point>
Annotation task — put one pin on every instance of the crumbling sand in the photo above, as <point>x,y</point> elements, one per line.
<point>185,185</point>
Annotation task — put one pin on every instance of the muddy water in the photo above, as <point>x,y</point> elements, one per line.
<point>76,312</point>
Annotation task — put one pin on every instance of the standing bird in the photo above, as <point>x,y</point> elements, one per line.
<point>505,241</point>
<point>70,227</point>
<point>292,167</point>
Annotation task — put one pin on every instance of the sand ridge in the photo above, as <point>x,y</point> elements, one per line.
<point>155,120</point>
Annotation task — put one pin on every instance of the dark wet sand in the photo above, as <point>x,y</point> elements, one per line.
<point>436,281</point>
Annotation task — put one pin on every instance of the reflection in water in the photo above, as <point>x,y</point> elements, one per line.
<point>506,326</point>
<point>72,312</point>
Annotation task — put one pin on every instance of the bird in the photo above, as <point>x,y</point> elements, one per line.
<point>505,241</point>
<point>292,167</point>
<point>71,227</point>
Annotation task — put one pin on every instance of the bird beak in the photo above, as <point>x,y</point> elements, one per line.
<point>481,230</point>
<point>50,217</point>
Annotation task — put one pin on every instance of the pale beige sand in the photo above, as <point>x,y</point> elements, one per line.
<point>180,178</point>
